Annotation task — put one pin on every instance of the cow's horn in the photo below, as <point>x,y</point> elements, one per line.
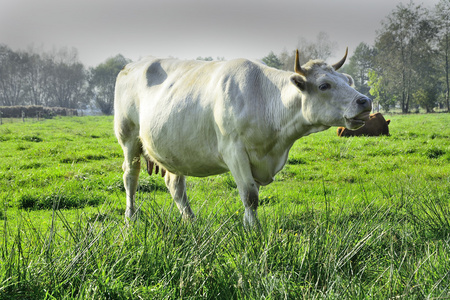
<point>297,68</point>
<point>339,64</point>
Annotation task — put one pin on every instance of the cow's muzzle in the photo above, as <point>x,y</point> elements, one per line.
<point>364,107</point>
<point>364,103</point>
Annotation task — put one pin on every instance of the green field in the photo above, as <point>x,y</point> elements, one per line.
<point>365,218</point>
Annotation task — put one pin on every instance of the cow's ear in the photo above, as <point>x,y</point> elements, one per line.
<point>388,121</point>
<point>351,82</point>
<point>299,81</point>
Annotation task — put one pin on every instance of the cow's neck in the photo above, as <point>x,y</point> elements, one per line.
<point>285,107</point>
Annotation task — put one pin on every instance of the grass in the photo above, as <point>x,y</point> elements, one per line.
<point>364,218</point>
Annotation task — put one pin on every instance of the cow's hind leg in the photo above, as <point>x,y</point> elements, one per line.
<point>131,168</point>
<point>177,188</point>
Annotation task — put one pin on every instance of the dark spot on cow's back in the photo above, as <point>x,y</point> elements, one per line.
<point>155,74</point>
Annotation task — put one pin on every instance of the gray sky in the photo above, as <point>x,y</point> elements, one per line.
<point>100,29</point>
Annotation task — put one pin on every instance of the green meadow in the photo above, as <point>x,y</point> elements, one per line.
<point>348,218</point>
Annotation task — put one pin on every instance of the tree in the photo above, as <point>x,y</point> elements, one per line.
<point>13,67</point>
<point>209,58</point>
<point>426,98</point>
<point>35,80</point>
<point>51,79</point>
<point>378,89</point>
<point>442,17</point>
<point>102,82</point>
<point>66,85</point>
<point>405,52</point>
<point>359,66</point>
<point>322,48</point>
<point>272,61</point>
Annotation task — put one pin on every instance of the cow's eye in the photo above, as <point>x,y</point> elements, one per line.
<point>324,86</point>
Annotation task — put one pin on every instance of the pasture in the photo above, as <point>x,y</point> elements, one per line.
<point>358,217</point>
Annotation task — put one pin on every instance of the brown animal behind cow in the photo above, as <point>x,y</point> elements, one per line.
<point>376,126</point>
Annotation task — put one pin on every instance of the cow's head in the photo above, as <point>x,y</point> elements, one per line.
<point>328,97</point>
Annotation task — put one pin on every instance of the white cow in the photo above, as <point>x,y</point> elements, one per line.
<point>196,118</point>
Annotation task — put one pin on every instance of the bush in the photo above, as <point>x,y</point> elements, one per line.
<point>32,111</point>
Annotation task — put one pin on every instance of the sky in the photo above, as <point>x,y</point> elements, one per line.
<point>100,29</point>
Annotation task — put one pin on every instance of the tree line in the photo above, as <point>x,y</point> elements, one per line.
<point>56,79</point>
<point>406,68</point>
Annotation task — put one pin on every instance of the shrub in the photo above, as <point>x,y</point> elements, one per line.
<point>32,111</point>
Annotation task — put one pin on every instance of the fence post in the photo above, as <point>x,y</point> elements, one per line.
<point>1,121</point>
<point>23,116</point>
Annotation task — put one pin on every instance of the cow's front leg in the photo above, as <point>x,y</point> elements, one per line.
<point>239,166</point>
<point>249,194</point>
<point>177,188</point>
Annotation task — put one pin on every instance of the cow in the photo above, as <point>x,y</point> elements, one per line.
<point>375,126</point>
<point>197,118</point>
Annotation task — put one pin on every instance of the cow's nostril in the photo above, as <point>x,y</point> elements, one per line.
<point>361,101</point>
<point>364,102</point>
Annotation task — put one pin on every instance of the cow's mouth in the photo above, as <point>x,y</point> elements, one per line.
<point>357,121</point>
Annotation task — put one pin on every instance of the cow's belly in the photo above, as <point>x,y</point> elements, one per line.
<point>198,164</point>
<point>183,149</point>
